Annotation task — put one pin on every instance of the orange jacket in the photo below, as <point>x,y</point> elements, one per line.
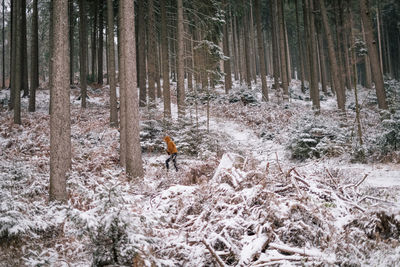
<point>171,148</point>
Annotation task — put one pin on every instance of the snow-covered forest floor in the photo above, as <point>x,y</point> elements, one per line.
<point>268,184</point>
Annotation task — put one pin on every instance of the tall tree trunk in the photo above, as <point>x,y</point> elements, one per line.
<point>373,54</point>
<point>235,53</point>
<point>165,62</point>
<point>3,53</point>
<point>227,63</point>
<point>51,44</point>
<point>260,42</point>
<point>181,62</point>
<point>71,40</point>
<point>367,64</point>
<point>282,48</point>
<point>378,26</point>
<point>345,45</point>
<point>158,67</point>
<point>287,51</point>
<point>122,86</point>
<point>60,122</point>
<point>83,51</point>
<point>24,53</point>
<point>253,56</point>
<point>322,61</point>
<point>240,62</point>
<point>314,89</point>
<point>134,163</point>
<point>247,45</point>
<point>111,64</point>
<point>100,50</point>
<point>341,97</point>
<point>151,56</point>
<point>17,82</point>
<point>190,59</point>
<point>275,52</point>
<point>142,54</point>
<point>94,38</point>
<point>300,58</point>
<point>12,53</point>
<point>34,58</point>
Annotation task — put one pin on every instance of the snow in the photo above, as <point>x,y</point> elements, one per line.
<point>252,205</point>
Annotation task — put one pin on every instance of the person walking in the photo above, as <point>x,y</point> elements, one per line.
<point>172,151</point>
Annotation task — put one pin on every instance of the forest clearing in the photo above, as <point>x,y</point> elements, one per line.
<point>200,133</point>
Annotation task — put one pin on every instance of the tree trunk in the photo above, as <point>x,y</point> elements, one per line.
<point>190,59</point>
<point>134,164</point>
<point>314,89</point>
<point>51,44</point>
<point>368,74</point>
<point>287,51</point>
<point>275,51</point>
<point>181,62</point>
<point>345,45</point>
<point>165,62</point>
<point>94,37</point>
<point>17,82</point>
<point>373,54</point>
<point>122,86</point>
<point>24,53</point>
<point>282,47</point>
<point>341,98</point>
<point>60,122</point>
<point>12,53</point>
<point>100,50</point>
<point>83,51</point>
<point>322,61</point>
<point>111,64</point>
<point>234,54</point>
<point>253,56</point>
<point>300,58</point>
<point>151,55</point>
<point>238,39</point>
<point>260,42</point>
<point>34,58</point>
<point>378,26</point>
<point>247,55</point>
<point>227,63</point>
<point>3,53</point>
<point>71,40</point>
<point>142,54</point>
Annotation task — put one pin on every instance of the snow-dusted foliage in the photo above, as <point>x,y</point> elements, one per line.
<point>237,200</point>
<point>317,137</point>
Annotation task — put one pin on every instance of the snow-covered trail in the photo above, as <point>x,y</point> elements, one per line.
<point>379,175</point>
<point>247,141</point>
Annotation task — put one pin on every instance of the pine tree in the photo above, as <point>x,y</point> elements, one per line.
<point>60,124</point>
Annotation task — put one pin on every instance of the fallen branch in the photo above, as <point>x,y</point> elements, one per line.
<point>330,176</point>
<point>291,250</point>
<point>276,260</point>
<point>289,186</point>
<point>297,176</point>
<point>362,180</point>
<point>212,252</point>
<point>377,199</point>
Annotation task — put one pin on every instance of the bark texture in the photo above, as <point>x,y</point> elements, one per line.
<point>373,55</point>
<point>60,124</point>
<point>111,64</point>
<point>134,164</point>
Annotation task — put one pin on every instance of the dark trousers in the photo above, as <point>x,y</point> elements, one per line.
<point>173,158</point>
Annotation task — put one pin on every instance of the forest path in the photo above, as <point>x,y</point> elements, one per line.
<point>380,175</point>
<point>247,141</point>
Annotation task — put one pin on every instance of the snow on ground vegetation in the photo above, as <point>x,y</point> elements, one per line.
<point>263,184</point>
